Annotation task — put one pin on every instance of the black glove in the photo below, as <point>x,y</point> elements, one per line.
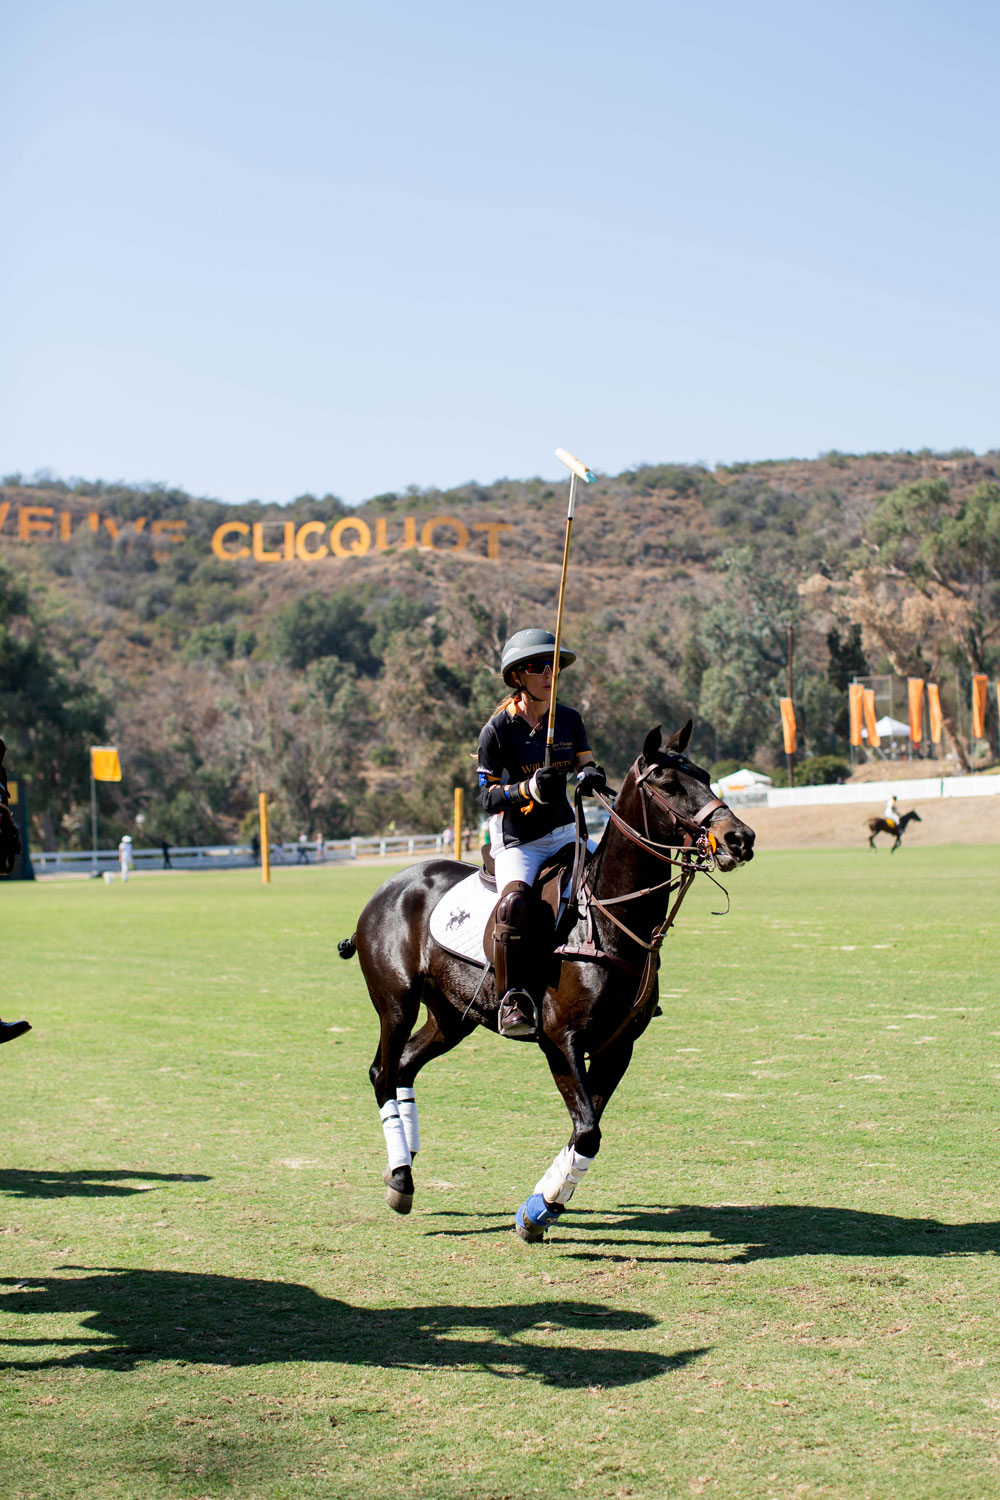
<point>547,784</point>
<point>591,779</point>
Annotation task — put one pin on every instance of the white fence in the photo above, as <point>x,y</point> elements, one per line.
<point>239,856</point>
<point>914,789</point>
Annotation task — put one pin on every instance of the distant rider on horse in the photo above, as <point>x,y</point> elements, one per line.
<point>529,812</point>
<point>891,813</point>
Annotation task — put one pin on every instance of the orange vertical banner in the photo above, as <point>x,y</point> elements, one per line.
<point>855,708</point>
<point>874,738</point>
<point>934,711</point>
<point>916,687</point>
<point>979,706</point>
<point>788,725</point>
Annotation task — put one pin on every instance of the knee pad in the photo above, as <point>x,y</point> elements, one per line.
<point>513,908</point>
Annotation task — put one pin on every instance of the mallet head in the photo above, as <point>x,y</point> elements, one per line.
<point>575,466</point>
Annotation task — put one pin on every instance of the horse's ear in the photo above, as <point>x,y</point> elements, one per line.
<point>679,741</point>
<point>651,744</point>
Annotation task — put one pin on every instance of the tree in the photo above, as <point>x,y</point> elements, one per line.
<point>325,625</point>
<point>930,590</point>
<point>49,713</point>
<point>302,740</point>
<point>744,642</point>
<point>948,552</point>
<point>431,715</point>
<point>847,656</point>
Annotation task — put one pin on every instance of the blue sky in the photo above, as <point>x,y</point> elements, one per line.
<point>261,249</point>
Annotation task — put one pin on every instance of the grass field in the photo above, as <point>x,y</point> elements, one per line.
<point>780,1278</point>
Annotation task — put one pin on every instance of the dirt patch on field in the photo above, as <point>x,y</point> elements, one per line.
<point>952,820</point>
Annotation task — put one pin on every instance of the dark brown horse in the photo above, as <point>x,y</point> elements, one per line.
<point>601,992</point>
<point>880,825</point>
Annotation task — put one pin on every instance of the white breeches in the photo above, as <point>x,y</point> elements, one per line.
<point>524,861</point>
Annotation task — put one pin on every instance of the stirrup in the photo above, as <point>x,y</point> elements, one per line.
<point>517,1025</point>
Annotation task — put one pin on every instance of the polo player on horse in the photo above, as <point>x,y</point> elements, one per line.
<point>529,812</point>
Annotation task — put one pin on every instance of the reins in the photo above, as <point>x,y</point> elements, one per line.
<point>693,856</point>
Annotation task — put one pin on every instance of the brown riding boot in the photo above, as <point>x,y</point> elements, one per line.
<point>517,1016</point>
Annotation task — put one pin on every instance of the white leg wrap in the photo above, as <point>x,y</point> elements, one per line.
<point>566,1172</point>
<point>395,1138</point>
<point>408,1114</point>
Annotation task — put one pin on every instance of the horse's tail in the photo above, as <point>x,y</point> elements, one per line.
<point>347,947</point>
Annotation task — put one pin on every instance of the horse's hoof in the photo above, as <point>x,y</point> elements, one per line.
<point>528,1232</point>
<point>398,1189</point>
<point>534,1217</point>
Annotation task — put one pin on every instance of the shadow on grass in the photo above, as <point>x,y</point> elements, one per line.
<point>140,1316</point>
<point>771,1231</point>
<point>40,1183</point>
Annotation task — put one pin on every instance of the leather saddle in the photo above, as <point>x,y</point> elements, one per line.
<point>549,890</point>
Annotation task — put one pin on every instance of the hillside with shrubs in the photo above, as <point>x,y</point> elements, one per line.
<point>349,678</point>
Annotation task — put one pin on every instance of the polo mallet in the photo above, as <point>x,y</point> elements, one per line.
<point>577,470</point>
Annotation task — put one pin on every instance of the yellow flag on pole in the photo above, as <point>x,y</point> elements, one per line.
<point>934,712</point>
<point>104,763</point>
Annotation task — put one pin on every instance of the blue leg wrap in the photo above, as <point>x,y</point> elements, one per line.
<point>536,1213</point>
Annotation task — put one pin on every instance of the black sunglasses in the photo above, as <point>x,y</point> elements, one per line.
<point>537,667</point>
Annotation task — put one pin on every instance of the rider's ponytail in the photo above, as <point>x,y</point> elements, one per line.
<point>509,702</point>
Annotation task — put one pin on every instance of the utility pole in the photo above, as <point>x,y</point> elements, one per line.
<point>791,757</point>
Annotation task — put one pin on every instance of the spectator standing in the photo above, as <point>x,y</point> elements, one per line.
<point>125,856</point>
<point>10,848</point>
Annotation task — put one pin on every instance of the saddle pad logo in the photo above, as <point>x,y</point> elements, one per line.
<point>459,919</point>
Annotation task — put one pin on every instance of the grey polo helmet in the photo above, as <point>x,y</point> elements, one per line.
<point>526,644</point>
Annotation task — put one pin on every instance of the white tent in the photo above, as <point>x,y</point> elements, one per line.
<point>742,781</point>
<point>890,729</point>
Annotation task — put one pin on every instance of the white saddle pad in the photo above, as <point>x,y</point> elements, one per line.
<point>458,922</point>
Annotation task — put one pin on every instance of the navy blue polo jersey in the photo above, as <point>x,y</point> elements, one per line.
<point>510,751</point>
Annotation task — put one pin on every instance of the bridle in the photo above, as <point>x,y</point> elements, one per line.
<point>694,854</point>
